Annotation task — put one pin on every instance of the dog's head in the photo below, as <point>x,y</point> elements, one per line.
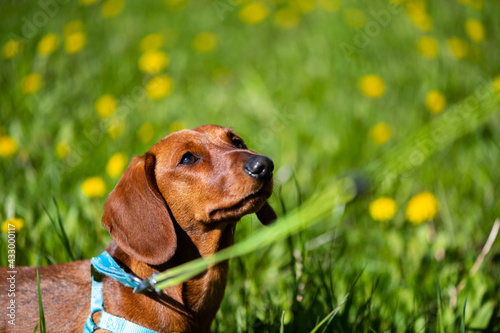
<point>198,178</point>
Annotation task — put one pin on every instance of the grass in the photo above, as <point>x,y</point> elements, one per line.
<point>293,95</point>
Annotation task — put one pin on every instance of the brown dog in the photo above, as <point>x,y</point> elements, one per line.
<point>178,202</point>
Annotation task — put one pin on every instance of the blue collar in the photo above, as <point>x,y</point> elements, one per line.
<point>106,265</point>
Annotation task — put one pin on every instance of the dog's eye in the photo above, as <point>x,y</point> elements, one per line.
<point>188,159</point>
<point>238,143</point>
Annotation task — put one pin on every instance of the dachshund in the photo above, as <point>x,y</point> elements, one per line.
<point>178,202</point>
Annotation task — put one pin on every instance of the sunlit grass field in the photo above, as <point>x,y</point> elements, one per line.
<point>327,89</point>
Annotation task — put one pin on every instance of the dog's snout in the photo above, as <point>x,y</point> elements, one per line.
<point>260,167</point>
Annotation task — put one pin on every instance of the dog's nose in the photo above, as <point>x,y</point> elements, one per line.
<point>260,167</point>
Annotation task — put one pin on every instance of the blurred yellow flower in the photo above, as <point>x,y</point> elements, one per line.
<point>417,11</point>
<point>428,46</point>
<point>176,4</point>
<point>287,17</point>
<point>476,4</point>
<point>116,128</point>
<point>94,187</point>
<point>330,5</point>
<point>146,132</point>
<point>11,48</point>
<point>48,44</point>
<point>75,42</point>
<point>153,62</point>
<point>354,17</point>
<point>496,85</point>
<point>159,87</point>
<point>31,83</point>
<point>15,224</point>
<point>205,42</point>
<point>87,2</point>
<point>62,150</point>
<point>383,209</point>
<point>435,101</point>
<point>475,30</point>
<point>371,86</point>
<point>72,27</point>
<point>458,47</point>
<point>303,6</point>
<point>106,105</point>
<point>116,164</point>
<point>380,133</point>
<point>253,13</point>
<point>422,207</point>
<point>8,146</point>
<point>152,42</point>
<point>111,8</point>
<point>177,126</point>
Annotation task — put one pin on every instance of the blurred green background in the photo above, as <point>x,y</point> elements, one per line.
<point>323,87</point>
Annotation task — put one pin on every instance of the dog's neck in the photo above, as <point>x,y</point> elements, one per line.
<point>200,297</point>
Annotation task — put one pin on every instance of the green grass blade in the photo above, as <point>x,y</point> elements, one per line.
<point>439,322</point>
<point>35,329</point>
<point>462,320</point>
<point>64,236</point>
<point>282,325</point>
<point>40,305</point>
<point>328,319</point>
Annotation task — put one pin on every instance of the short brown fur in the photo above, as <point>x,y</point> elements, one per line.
<point>161,214</point>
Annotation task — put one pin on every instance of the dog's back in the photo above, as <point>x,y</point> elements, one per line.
<point>65,290</point>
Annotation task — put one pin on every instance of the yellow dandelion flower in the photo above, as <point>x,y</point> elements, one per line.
<point>111,8</point>
<point>371,86</point>
<point>304,6</point>
<point>177,126</point>
<point>383,209</point>
<point>330,5</point>
<point>94,187</point>
<point>354,17</point>
<point>435,101</point>
<point>474,30</point>
<point>72,27</point>
<point>496,85</point>
<point>458,47</point>
<point>14,224</point>
<point>106,106</point>
<point>87,2</point>
<point>422,207</point>
<point>380,133</point>
<point>253,13</point>
<point>152,42</point>
<point>176,5</point>
<point>159,87</point>
<point>116,128</point>
<point>287,18</point>
<point>146,132</point>
<point>205,42</point>
<point>417,12</point>
<point>153,62</point>
<point>476,4</point>
<point>116,164</point>
<point>75,42</point>
<point>8,146</point>
<point>428,47</point>
<point>11,48</point>
<point>62,150</point>
<point>31,83</point>
<point>48,44</point>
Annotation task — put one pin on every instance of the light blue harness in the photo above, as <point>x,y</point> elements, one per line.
<point>105,265</point>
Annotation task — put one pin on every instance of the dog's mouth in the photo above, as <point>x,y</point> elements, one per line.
<point>249,204</point>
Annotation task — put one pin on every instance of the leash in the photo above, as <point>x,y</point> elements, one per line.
<point>106,265</point>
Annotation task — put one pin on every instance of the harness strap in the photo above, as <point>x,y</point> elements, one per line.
<point>104,264</point>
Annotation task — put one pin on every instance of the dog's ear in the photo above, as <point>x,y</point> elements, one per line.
<point>266,214</point>
<point>137,217</point>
